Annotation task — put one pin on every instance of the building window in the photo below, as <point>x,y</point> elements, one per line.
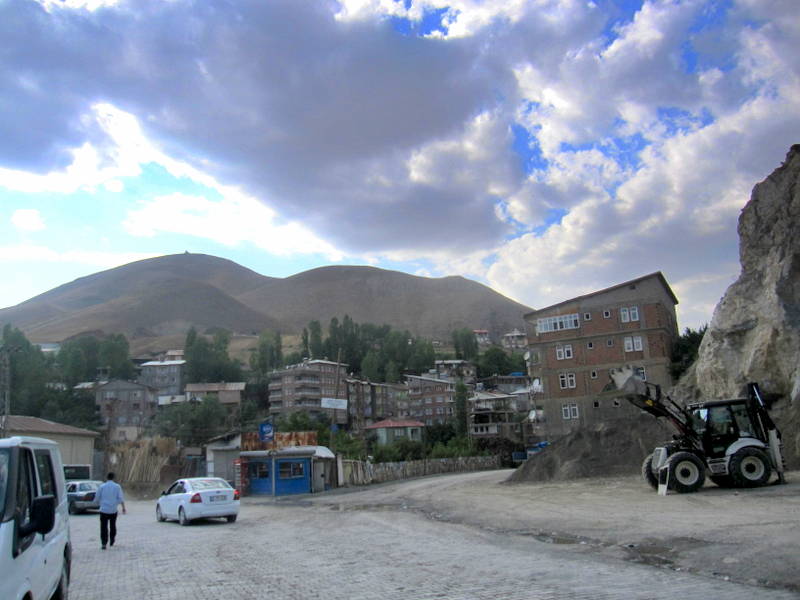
<point>569,411</point>
<point>610,342</point>
<point>640,371</point>
<point>623,315</point>
<point>596,404</point>
<point>566,380</point>
<point>587,316</point>
<point>593,374</point>
<point>590,345</point>
<point>633,343</point>
<point>628,314</point>
<point>634,313</point>
<point>616,404</point>
<point>606,314</point>
<point>564,351</point>
<point>290,470</point>
<point>557,323</point>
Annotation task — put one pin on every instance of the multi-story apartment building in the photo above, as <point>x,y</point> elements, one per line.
<point>429,400</point>
<point>515,340</point>
<point>574,343</point>
<point>496,415</point>
<point>167,376</point>
<point>369,402</point>
<point>303,387</point>
<point>125,408</point>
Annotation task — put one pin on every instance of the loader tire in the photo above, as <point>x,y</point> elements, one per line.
<point>650,476</point>
<point>750,467</point>
<point>687,473</point>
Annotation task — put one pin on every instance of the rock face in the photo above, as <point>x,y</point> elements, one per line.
<point>754,334</point>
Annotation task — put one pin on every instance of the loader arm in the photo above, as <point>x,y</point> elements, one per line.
<point>648,397</point>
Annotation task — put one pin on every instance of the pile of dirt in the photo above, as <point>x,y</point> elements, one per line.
<point>610,449</point>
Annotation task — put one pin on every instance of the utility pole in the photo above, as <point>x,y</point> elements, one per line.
<point>5,386</point>
<point>336,395</point>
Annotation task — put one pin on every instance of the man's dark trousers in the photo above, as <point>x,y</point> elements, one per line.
<point>107,520</point>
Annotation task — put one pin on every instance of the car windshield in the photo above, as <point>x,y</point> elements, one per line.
<point>4,459</point>
<point>209,484</point>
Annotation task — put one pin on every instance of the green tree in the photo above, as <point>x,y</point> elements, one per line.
<point>193,423</point>
<point>208,361</point>
<point>304,344</point>
<point>370,367</point>
<point>685,349</point>
<point>114,353</point>
<point>315,340</point>
<point>493,362</point>
<point>392,372</point>
<point>465,344</point>
<point>268,355</point>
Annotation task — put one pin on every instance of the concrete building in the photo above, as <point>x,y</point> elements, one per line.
<point>168,377</point>
<point>126,408</point>
<point>515,340</point>
<point>430,400</point>
<point>76,444</point>
<point>453,370</point>
<point>574,343</point>
<point>389,431</point>
<point>496,415</point>
<point>368,402</point>
<point>229,394</point>
<point>304,386</point>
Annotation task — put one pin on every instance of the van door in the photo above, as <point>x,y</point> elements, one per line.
<point>28,551</point>
<point>52,542</point>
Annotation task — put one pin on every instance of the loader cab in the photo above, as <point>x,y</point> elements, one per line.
<point>720,424</point>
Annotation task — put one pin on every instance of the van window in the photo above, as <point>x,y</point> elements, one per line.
<point>44,466</point>
<point>26,488</point>
<point>4,460</point>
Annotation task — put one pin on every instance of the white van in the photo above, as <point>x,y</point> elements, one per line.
<point>35,550</point>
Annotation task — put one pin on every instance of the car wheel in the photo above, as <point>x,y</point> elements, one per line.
<point>649,475</point>
<point>687,473</point>
<point>72,509</point>
<point>231,518</point>
<point>159,515</point>
<point>182,517</point>
<point>750,467</point>
<point>62,591</point>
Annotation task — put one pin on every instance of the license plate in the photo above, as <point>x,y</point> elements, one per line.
<point>217,498</point>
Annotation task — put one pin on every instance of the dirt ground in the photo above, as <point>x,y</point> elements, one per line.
<point>748,536</point>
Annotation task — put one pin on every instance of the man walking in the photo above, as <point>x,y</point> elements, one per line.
<point>109,495</point>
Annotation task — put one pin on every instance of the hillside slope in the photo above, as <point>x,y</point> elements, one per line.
<point>155,301</point>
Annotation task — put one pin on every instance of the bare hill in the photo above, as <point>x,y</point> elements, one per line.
<point>154,302</point>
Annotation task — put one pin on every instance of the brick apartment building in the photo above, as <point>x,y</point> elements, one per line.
<point>369,402</point>
<point>574,343</point>
<point>429,400</point>
<point>304,385</point>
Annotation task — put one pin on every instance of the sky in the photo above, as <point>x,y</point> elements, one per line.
<point>546,148</point>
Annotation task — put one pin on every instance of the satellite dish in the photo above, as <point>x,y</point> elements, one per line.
<point>527,356</point>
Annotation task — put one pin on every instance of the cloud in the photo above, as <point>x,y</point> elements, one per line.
<point>27,219</point>
<point>323,129</point>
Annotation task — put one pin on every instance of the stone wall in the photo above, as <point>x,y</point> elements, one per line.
<point>363,473</point>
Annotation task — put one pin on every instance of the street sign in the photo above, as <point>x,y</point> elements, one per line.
<point>266,432</point>
<point>334,403</point>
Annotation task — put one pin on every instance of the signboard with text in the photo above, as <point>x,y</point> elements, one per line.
<point>335,403</point>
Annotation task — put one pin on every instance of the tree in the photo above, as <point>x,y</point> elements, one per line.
<point>315,340</point>
<point>304,343</point>
<point>493,362</point>
<point>209,361</point>
<point>370,367</point>
<point>193,423</point>
<point>685,350</point>
<point>114,353</point>
<point>268,355</point>
<point>465,344</point>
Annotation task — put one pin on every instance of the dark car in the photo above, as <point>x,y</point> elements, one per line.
<point>81,496</point>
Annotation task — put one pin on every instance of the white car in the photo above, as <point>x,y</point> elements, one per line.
<point>198,498</point>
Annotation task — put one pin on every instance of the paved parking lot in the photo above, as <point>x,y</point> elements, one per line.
<point>352,547</point>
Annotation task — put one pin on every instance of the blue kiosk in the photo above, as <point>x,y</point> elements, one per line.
<point>290,470</point>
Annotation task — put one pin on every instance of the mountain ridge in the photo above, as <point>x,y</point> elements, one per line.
<point>154,301</point>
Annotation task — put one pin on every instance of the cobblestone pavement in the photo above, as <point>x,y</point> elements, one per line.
<point>299,549</point>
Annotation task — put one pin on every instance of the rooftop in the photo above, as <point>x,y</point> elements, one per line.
<point>25,425</point>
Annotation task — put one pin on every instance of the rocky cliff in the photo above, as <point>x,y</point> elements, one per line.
<point>754,334</point>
